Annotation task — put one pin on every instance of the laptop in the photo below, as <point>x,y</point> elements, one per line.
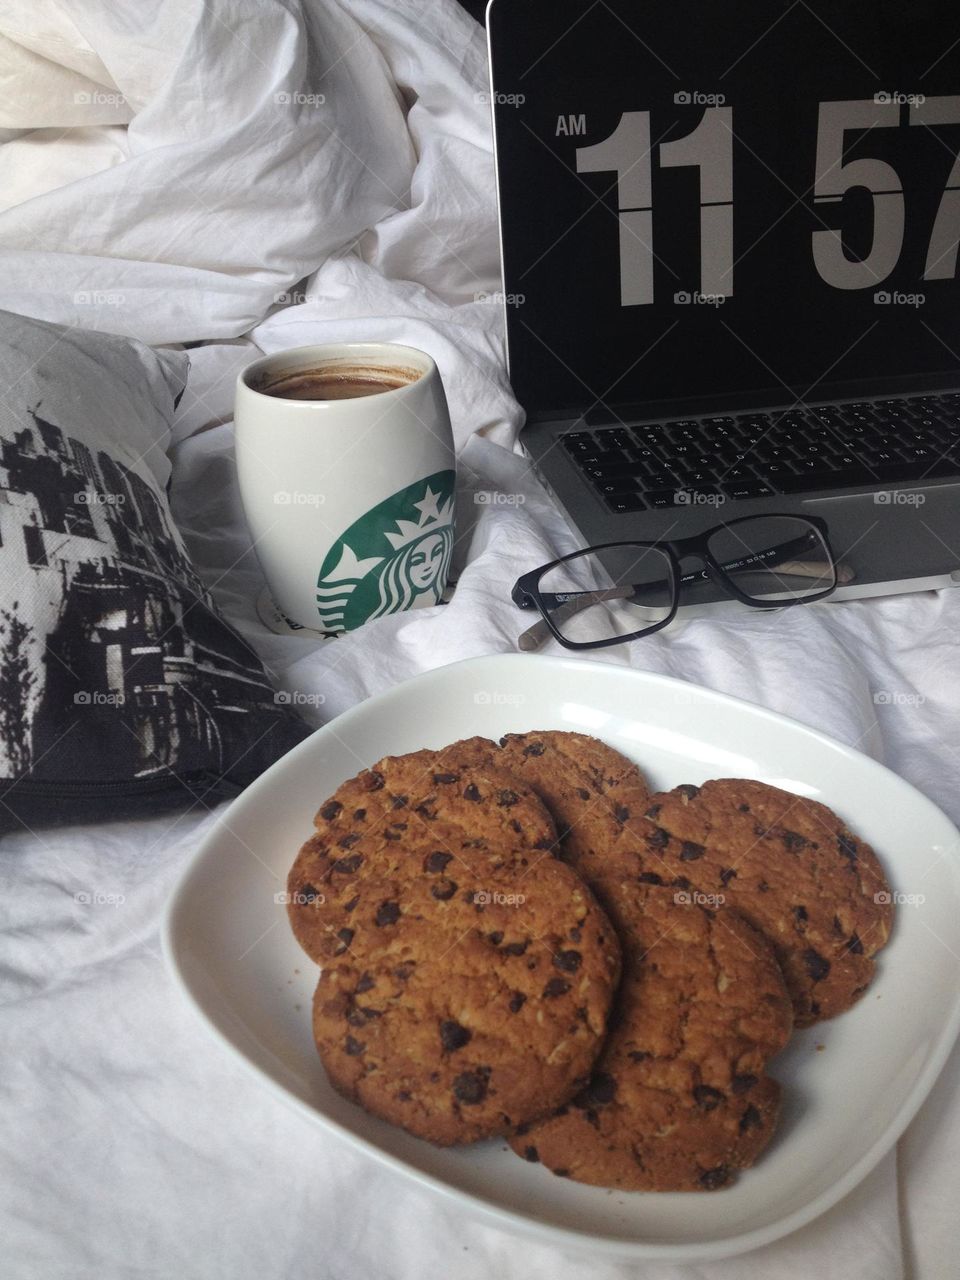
<point>730,239</point>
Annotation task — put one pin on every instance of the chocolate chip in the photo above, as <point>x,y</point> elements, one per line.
<point>531,1154</point>
<point>359,815</point>
<point>348,841</point>
<point>308,893</point>
<point>348,865</point>
<point>507,799</point>
<point>762,886</point>
<point>561,1173</point>
<point>443,779</point>
<point>453,1036</point>
<point>687,791</point>
<point>690,852</point>
<point>444,890</point>
<point>391,834</point>
<point>592,1117</point>
<point>575,934</point>
<point>346,937</point>
<point>706,1097</point>
<point>534,749</point>
<point>387,913</point>
<point>659,840</point>
<point>743,808</point>
<point>403,971</point>
<point>654,812</point>
<point>437,861</point>
<point>372,781</point>
<point>815,1008</point>
<point>847,846</point>
<point>517,1001</point>
<point>750,1119</point>
<point>601,1089</point>
<point>515,948</point>
<point>638,1055</point>
<point>496,937</point>
<point>515,826</point>
<point>366,983</point>
<point>472,792</point>
<point>793,842</point>
<point>712,1179</point>
<point>726,875</point>
<point>649,877</point>
<point>403,1096</point>
<point>555,987</point>
<point>742,1083</point>
<point>353,1047</point>
<point>567,961</point>
<point>349,906</point>
<point>544,844</point>
<point>817,967</point>
<point>583,793</point>
<point>358,1017</point>
<point>426,812</point>
<point>332,809</point>
<point>855,945</point>
<point>837,927</point>
<point>400,802</point>
<point>470,1087</point>
<point>800,914</point>
<point>621,814</point>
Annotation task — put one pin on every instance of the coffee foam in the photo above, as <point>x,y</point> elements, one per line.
<point>334,377</point>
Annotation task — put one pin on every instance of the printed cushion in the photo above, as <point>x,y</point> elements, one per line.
<point>123,692</point>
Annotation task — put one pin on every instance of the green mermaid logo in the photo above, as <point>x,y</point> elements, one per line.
<point>396,556</point>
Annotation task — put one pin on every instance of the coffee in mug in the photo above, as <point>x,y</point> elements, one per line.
<point>346,468</point>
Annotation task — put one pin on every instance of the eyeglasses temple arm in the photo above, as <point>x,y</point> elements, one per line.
<point>531,639</point>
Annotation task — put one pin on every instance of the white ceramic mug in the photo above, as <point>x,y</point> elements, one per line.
<point>350,501</point>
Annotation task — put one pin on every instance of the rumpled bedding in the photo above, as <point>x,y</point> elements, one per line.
<point>249,175</point>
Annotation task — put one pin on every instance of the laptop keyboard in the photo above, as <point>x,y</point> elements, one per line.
<point>750,455</point>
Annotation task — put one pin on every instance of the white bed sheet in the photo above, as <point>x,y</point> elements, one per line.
<point>129,1144</point>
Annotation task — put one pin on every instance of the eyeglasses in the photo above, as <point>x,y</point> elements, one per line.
<point>620,591</point>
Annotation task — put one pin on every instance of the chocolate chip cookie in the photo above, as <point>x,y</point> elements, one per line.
<point>593,792</point>
<point>484,1006</point>
<point>679,1099</point>
<point>792,868</point>
<point>408,823</point>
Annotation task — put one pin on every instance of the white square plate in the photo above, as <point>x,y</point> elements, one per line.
<point>851,1085</point>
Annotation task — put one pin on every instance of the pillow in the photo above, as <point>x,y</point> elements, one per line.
<point>123,692</point>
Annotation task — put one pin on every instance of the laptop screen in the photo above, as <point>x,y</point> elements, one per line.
<point>705,201</point>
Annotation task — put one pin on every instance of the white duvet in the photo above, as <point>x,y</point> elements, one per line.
<point>257,174</point>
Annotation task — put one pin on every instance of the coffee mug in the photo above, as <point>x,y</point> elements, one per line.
<point>346,468</point>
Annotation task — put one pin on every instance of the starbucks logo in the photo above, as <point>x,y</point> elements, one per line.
<point>395,557</point>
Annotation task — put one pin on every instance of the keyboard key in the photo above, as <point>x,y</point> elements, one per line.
<point>747,489</point>
<point>616,485</point>
<point>616,467</point>
<point>623,503</point>
<point>812,480</point>
<point>578,442</point>
<point>658,498</point>
<point>615,438</point>
<point>775,470</point>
